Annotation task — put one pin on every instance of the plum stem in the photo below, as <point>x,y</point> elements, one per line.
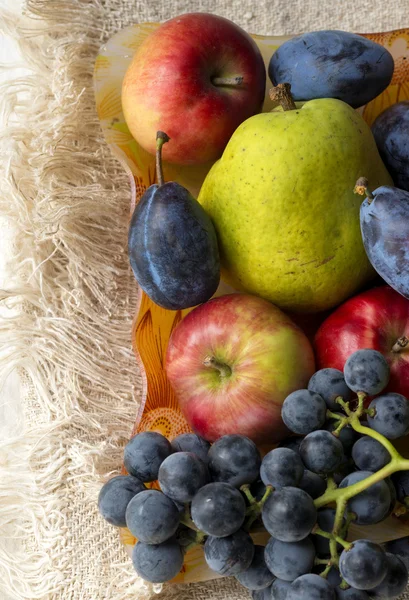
<point>361,188</point>
<point>281,94</point>
<point>234,81</point>
<point>401,344</point>
<point>214,363</point>
<point>161,138</point>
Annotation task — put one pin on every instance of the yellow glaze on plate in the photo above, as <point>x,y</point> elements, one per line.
<point>153,325</point>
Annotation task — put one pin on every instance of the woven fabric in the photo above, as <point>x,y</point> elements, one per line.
<point>73,298</point>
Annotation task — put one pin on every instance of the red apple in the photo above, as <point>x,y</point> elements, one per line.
<point>185,79</point>
<point>232,361</point>
<point>378,319</point>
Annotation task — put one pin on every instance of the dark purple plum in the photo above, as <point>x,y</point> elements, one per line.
<point>115,496</point>
<point>391,133</point>
<point>172,246</point>
<point>329,384</point>
<point>332,64</point>
<point>385,233</point>
<point>373,504</point>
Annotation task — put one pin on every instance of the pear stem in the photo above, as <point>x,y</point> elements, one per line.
<point>212,362</point>
<point>361,188</point>
<point>281,94</point>
<point>234,80</point>
<point>161,138</point>
<point>401,344</point>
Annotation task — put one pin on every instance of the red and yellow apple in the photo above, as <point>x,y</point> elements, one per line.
<point>378,319</point>
<point>232,361</point>
<point>197,77</point>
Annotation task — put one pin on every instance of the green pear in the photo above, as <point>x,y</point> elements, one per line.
<point>282,200</point>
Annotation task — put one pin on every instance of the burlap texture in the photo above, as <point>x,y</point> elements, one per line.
<point>73,296</point>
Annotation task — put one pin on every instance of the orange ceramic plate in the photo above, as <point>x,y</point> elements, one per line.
<point>153,325</point>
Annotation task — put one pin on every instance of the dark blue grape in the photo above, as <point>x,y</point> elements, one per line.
<point>400,548</point>
<point>175,275</point>
<point>347,436</point>
<point>346,467</point>
<point>152,517</point>
<point>157,563</point>
<point>264,594</point>
<point>229,555</point>
<point>321,452</point>
<point>329,384</point>
<point>313,484</point>
<point>257,576</point>
<point>395,581</point>
<point>115,496</point>
<point>391,417</point>
<point>281,467</point>
<point>332,64</point>
<point>401,483</point>
<point>364,565</point>
<point>350,594</point>
<point>289,514</point>
<point>218,509</point>
<point>366,371</point>
<point>369,455</point>
<point>334,578</point>
<point>234,459</point>
<point>325,521</point>
<point>144,454</point>
<point>303,411</point>
<point>258,489</point>
<point>289,560</point>
<point>279,589</point>
<point>293,443</point>
<point>181,475</point>
<point>185,535</point>
<point>391,133</point>
<point>190,442</point>
<point>310,587</point>
<point>384,227</point>
<point>372,505</point>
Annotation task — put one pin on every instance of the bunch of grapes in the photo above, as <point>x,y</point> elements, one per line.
<point>339,468</point>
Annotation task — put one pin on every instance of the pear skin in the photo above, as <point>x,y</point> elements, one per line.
<point>282,201</point>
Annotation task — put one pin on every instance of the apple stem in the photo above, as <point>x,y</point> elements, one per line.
<point>227,81</point>
<point>401,344</point>
<point>161,138</point>
<point>281,94</point>
<point>211,361</point>
<point>361,188</point>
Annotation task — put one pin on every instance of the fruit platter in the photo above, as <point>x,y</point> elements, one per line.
<point>268,237</point>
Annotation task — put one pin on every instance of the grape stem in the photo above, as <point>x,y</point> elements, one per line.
<point>254,510</point>
<point>186,519</point>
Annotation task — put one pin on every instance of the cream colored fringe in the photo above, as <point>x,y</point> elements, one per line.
<point>71,301</point>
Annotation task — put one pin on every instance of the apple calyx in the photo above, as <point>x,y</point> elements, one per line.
<point>361,188</point>
<point>234,80</point>
<point>161,138</point>
<point>214,363</point>
<point>401,344</point>
<point>281,94</point>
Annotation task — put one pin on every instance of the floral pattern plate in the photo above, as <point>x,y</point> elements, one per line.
<point>153,325</point>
